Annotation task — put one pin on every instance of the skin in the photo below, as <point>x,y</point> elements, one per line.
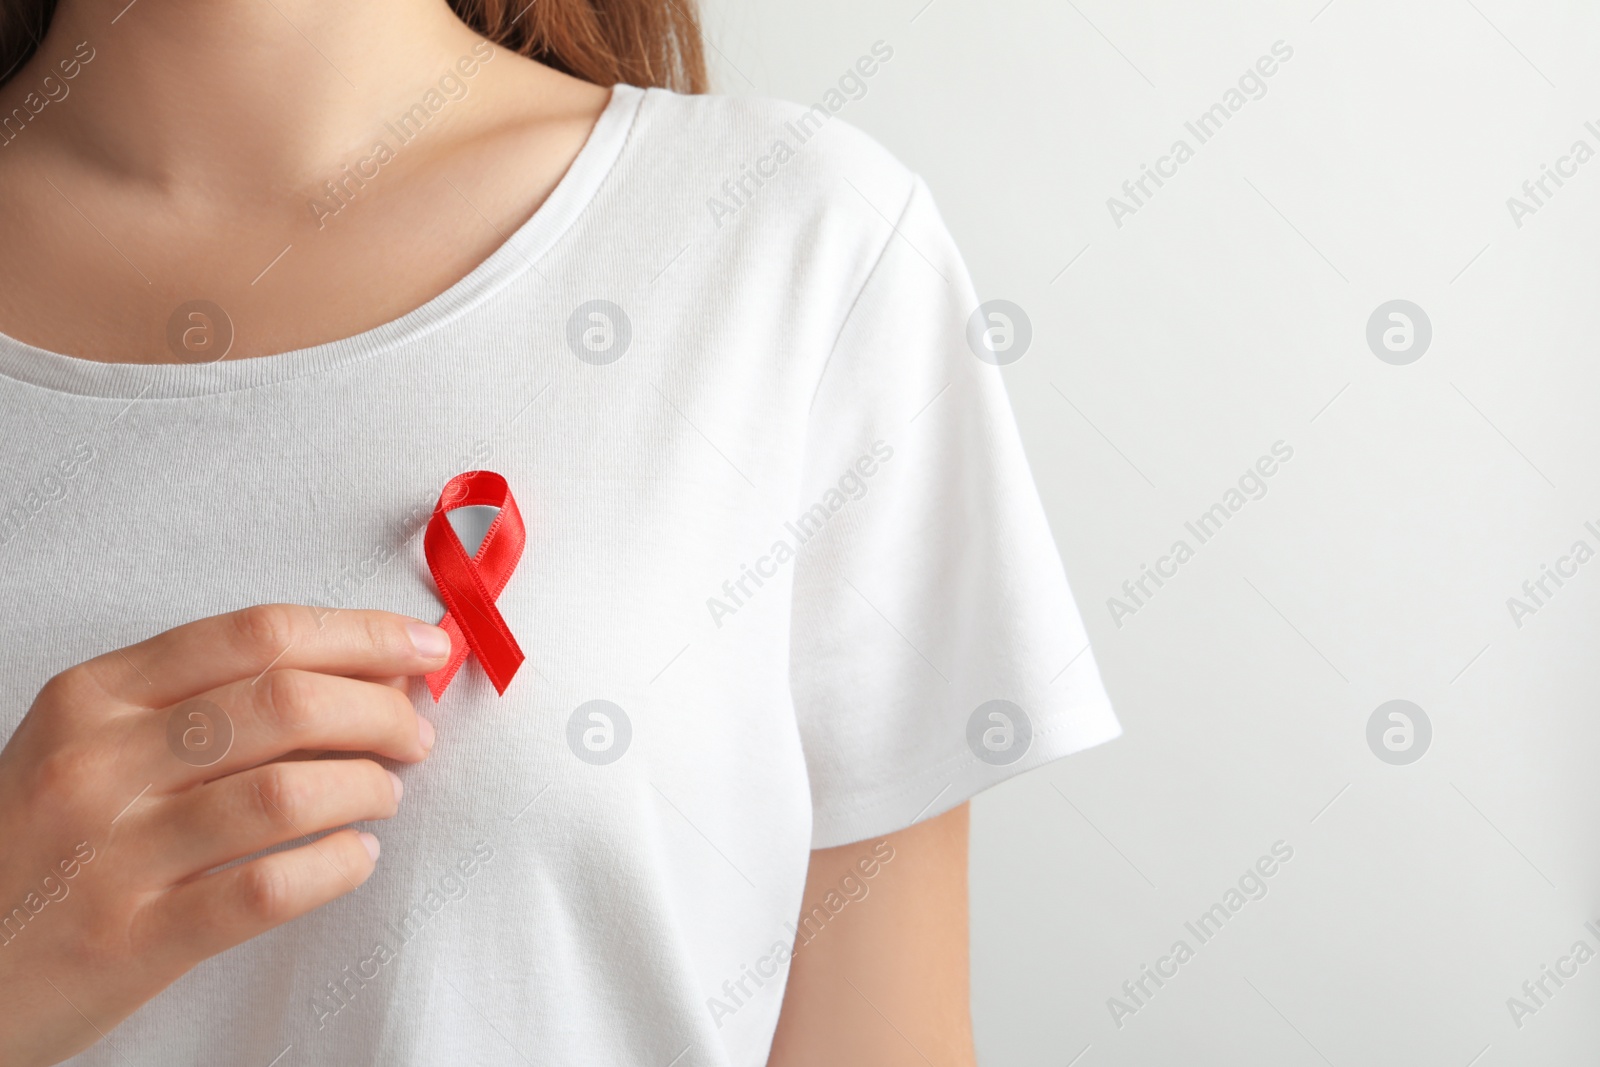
<point>180,166</point>
<point>100,814</point>
<point>185,156</point>
<point>884,983</point>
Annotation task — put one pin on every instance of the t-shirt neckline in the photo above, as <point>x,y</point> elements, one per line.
<point>40,367</point>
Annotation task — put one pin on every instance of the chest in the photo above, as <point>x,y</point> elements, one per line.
<point>127,520</point>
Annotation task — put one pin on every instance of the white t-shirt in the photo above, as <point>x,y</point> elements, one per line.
<point>780,527</point>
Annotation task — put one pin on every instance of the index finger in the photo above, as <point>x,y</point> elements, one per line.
<point>210,653</point>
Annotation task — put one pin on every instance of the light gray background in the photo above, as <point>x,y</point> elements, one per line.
<point>1229,313</point>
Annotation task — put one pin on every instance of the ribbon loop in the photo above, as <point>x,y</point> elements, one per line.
<point>469,585</point>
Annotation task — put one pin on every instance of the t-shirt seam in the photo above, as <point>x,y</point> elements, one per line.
<point>857,803</point>
<point>426,329</point>
<point>855,302</point>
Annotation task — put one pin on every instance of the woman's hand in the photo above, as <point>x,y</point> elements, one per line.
<point>136,773</point>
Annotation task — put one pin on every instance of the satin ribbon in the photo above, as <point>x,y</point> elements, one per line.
<point>469,585</point>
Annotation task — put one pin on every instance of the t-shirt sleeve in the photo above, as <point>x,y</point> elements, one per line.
<point>936,649</point>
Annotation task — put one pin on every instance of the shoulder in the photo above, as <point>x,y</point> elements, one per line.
<point>748,162</point>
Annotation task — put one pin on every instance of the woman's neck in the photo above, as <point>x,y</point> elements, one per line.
<point>262,155</point>
<point>200,93</point>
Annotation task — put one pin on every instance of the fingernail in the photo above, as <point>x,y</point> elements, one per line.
<point>430,641</point>
<point>425,733</point>
<point>371,843</point>
<point>399,786</point>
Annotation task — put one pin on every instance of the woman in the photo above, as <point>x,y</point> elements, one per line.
<point>272,275</point>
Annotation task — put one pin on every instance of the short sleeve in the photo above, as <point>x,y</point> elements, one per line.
<point>936,649</point>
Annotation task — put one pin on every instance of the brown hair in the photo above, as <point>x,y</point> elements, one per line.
<point>637,42</point>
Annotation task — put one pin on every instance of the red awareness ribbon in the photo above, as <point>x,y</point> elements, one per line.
<point>470,585</point>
